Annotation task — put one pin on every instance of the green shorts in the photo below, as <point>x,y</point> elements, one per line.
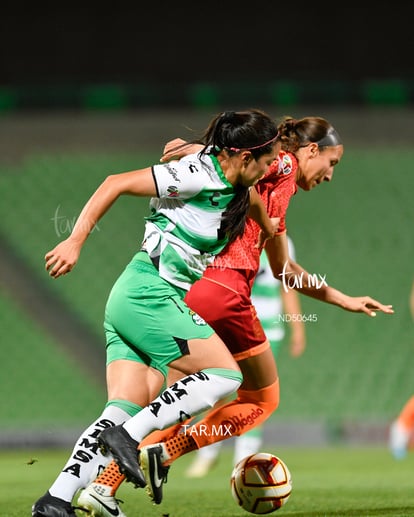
<point>146,319</point>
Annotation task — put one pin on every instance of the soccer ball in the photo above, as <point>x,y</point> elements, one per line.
<point>261,483</point>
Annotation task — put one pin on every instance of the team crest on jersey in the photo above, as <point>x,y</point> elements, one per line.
<point>198,320</point>
<point>285,164</point>
<point>172,191</point>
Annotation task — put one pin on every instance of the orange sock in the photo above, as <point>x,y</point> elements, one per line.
<point>179,445</point>
<point>250,409</point>
<point>406,416</point>
<point>110,477</point>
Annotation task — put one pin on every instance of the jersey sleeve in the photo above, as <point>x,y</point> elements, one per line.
<point>181,179</point>
<point>284,188</point>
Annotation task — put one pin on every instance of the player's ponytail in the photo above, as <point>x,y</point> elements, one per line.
<point>234,132</point>
<point>296,133</point>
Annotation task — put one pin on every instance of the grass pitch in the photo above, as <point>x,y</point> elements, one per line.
<point>334,481</point>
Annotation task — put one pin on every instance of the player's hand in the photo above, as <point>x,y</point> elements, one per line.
<point>62,259</point>
<point>367,305</point>
<point>177,148</point>
<point>263,236</point>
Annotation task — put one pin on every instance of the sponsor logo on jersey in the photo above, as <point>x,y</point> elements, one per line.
<point>198,320</point>
<point>173,172</point>
<point>285,164</point>
<point>172,191</point>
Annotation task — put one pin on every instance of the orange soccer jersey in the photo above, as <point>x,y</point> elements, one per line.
<point>276,190</point>
<point>232,273</point>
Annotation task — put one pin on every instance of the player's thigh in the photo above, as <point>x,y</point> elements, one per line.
<point>173,375</point>
<point>133,381</point>
<point>205,353</point>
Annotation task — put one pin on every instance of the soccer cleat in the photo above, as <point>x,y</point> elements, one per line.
<point>97,501</point>
<point>155,472</point>
<point>398,441</point>
<point>51,506</point>
<point>124,449</point>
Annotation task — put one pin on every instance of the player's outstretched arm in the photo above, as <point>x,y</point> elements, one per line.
<point>294,276</point>
<point>63,258</point>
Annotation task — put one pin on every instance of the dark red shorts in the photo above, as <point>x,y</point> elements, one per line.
<point>222,298</point>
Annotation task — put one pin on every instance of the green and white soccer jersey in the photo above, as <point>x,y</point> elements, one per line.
<point>267,300</point>
<point>182,234</point>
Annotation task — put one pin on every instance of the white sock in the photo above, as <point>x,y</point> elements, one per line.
<point>86,460</point>
<point>185,398</point>
<point>245,446</point>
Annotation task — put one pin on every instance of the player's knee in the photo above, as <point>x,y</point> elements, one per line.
<point>267,399</point>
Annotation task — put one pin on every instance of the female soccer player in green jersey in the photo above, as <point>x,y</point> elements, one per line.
<point>198,205</point>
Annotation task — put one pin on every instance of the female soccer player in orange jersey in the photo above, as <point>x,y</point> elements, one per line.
<point>311,148</point>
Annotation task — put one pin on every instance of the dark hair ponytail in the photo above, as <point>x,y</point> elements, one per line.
<point>236,131</point>
<point>233,220</point>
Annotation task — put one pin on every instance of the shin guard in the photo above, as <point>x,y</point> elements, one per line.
<point>248,410</point>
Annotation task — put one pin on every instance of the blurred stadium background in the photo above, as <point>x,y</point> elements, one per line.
<point>78,103</point>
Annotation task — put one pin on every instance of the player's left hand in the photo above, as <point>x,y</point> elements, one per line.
<point>177,148</point>
<point>62,259</point>
<point>367,305</point>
